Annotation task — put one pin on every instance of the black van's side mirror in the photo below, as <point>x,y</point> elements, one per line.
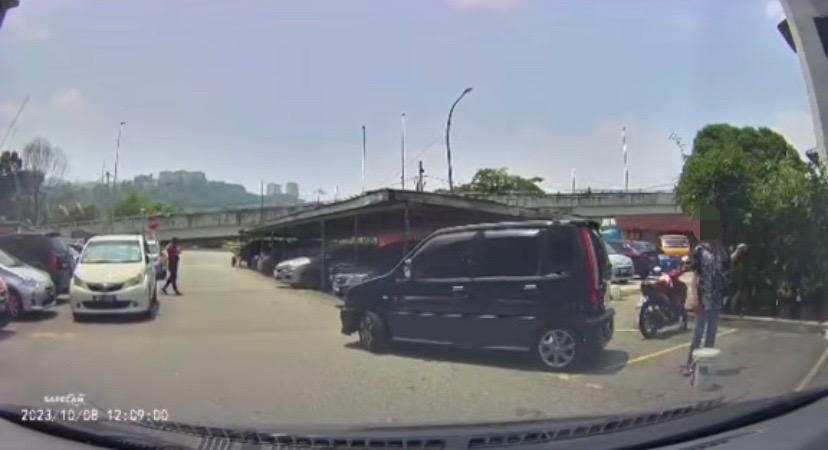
<point>407,269</point>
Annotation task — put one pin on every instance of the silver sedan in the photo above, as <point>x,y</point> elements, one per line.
<point>29,289</point>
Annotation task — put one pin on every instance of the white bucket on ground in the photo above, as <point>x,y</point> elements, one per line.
<point>704,360</point>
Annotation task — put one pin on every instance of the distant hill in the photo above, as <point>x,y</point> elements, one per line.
<point>190,191</point>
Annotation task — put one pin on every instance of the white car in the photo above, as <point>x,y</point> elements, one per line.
<point>114,275</point>
<point>622,268</point>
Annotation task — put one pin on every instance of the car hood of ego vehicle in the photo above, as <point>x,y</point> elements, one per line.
<point>763,423</point>
<point>108,273</point>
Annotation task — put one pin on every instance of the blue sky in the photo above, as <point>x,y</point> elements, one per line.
<point>278,90</point>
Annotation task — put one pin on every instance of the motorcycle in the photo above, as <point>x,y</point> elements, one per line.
<point>662,304</point>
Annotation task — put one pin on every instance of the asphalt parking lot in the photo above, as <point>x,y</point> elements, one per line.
<point>239,348</point>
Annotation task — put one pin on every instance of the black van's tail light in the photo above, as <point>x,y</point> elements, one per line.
<point>592,267</point>
<point>54,264</point>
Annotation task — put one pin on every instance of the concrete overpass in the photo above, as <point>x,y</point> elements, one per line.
<point>227,224</point>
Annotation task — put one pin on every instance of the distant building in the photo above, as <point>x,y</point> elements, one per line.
<point>167,177</point>
<point>143,181</point>
<point>292,189</point>
<point>274,189</point>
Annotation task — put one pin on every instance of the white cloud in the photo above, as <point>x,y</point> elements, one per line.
<point>20,29</point>
<point>70,99</point>
<point>774,11</point>
<point>73,105</point>
<point>487,5</point>
<point>797,127</point>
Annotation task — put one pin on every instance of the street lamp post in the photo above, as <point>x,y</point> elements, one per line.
<point>448,137</point>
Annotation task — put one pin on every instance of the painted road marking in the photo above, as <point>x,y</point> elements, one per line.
<point>579,380</point>
<point>49,335</point>
<point>672,349</point>
<point>812,373</point>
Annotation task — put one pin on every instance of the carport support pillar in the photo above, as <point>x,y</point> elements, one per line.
<point>323,255</point>
<point>356,238</point>
<point>407,235</point>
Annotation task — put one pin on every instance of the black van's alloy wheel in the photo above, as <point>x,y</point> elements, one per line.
<point>558,348</point>
<point>373,334</point>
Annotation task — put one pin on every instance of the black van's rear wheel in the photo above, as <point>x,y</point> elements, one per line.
<point>559,348</point>
<point>373,334</point>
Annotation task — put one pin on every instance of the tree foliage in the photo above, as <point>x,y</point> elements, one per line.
<point>768,198</point>
<point>135,204</point>
<point>500,181</point>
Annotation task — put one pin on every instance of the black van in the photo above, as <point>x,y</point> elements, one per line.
<point>540,286</point>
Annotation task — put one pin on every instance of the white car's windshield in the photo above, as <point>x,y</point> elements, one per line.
<point>111,252</point>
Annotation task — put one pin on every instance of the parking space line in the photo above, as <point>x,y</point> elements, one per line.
<point>579,380</point>
<point>812,373</point>
<point>672,349</point>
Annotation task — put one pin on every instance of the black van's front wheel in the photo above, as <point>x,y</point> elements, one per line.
<point>558,348</point>
<point>373,334</point>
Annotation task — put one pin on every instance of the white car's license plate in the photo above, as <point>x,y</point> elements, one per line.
<point>104,298</point>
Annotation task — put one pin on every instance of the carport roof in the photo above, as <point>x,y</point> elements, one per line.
<point>382,210</point>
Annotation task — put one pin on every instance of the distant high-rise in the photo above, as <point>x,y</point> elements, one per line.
<point>292,189</point>
<point>274,189</point>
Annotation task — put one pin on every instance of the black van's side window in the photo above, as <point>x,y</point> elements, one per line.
<point>560,249</point>
<point>509,253</point>
<point>444,256</point>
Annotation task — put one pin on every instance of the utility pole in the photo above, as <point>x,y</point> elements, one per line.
<point>363,158</point>
<point>572,180</point>
<point>117,153</point>
<point>261,203</point>
<point>111,201</point>
<point>448,136</point>
<point>420,182</point>
<point>624,152</point>
<point>402,161</point>
<point>14,120</point>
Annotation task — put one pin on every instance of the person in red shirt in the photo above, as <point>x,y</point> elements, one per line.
<point>173,256</point>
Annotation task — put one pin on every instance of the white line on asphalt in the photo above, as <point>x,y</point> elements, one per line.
<point>812,373</point>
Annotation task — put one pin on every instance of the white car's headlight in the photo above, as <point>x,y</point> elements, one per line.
<point>137,279</point>
<point>78,282</point>
<point>29,281</point>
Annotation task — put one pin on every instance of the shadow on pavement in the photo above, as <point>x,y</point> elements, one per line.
<point>609,362</point>
<point>107,319</point>
<point>5,334</point>
<point>36,316</point>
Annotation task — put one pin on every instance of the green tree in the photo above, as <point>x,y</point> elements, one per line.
<point>500,181</point>
<point>135,204</point>
<point>47,163</point>
<point>770,199</point>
